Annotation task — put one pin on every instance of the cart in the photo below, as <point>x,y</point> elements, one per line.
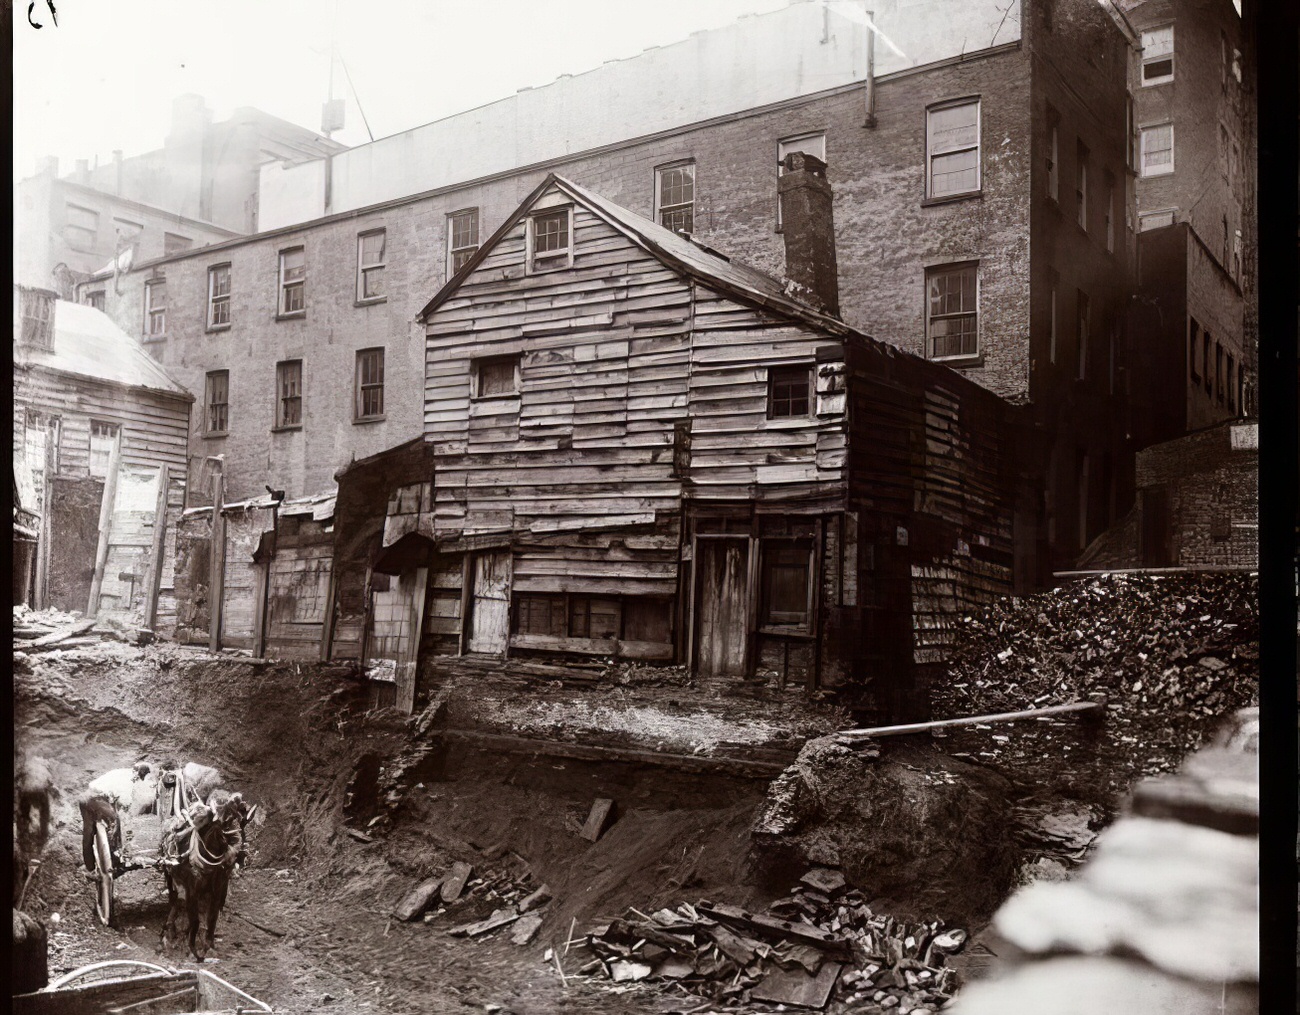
<point>173,797</point>
<point>129,986</point>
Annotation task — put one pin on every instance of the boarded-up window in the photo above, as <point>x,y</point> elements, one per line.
<point>647,619</point>
<point>496,376</point>
<point>786,582</point>
<point>590,617</point>
<point>542,615</point>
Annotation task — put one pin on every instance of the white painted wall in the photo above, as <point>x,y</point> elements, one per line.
<point>798,50</point>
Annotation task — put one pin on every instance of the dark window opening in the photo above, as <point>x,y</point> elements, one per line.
<point>496,376</point>
<point>786,582</point>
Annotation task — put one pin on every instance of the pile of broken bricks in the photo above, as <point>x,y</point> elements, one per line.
<point>517,903</point>
<point>823,942</point>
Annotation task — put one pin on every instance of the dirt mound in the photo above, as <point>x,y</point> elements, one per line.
<point>1172,654</point>
<point>920,833</point>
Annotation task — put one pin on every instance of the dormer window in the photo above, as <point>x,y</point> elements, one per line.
<point>550,240</point>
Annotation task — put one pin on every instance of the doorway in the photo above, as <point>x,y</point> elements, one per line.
<point>490,609</point>
<point>723,606</point>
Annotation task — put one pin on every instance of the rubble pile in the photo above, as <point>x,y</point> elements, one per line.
<point>480,903</point>
<point>49,630</point>
<point>1170,655</point>
<point>820,945</point>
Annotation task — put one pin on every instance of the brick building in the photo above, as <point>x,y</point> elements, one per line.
<point>1197,506</point>
<point>981,220</point>
<point>199,188</point>
<point>1194,171</point>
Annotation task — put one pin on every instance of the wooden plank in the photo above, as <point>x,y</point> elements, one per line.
<point>598,820</point>
<point>105,523</point>
<point>1092,707</point>
<point>217,571</point>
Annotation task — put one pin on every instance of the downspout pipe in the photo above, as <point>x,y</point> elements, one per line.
<point>870,97</point>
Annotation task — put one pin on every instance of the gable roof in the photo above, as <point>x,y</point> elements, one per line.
<point>87,343</point>
<point>734,278</point>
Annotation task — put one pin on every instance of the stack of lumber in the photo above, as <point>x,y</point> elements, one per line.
<point>48,630</point>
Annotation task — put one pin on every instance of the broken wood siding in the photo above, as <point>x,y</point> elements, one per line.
<point>299,588</point>
<point>583,444</point>
<point>154,427</point>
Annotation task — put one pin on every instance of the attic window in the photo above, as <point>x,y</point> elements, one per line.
<point>38,319</point>
<point>496,377</point>
<point>550,244</point>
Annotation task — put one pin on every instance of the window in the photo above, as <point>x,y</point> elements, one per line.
<point>95,299</point>
<point>462,238</point>
<point>1205,362</point>
<point>1158,150</point>
<point>1053,160</point>
<point>1218,372</point>
<point>37,318</point>
<point>219,296</point>
<point>550,245</point>
<point>788,392</point>
<point>786,583</point>
<point>1193,340</point>
<point>155,308</point>
<point>1083,334</point>
<point>1081,185</point>
<point>370,265</point>
<point>675,196</point>
<point>288,393</point>
<point>102,438</point>
<point>1156,220</point>
<point>81,227</point>
<point>1223,61</point>
<point>174,243</point>
<point>590,617</point>
<point>216,402</point>
<point>1158,55</point>
<point>127,230</point>
<point>1223,152</point>
<point>1110,213</point>
<point>953,149</point>
<point>293,281</point>
<point>809,144</point>
<point>1224,262</point>
<point>370,384</point>
<point>1232,383</point>
<point>952,318</point>
<point>496,376</point>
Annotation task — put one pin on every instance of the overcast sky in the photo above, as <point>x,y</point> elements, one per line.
<point>105,77</point>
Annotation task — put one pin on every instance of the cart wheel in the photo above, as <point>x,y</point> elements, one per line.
<point>103,876</point>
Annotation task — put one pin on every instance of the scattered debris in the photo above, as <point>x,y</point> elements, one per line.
<point>498,919</point>
<point>525,929</point>
<point>419,899</point>
<point>455,881</point>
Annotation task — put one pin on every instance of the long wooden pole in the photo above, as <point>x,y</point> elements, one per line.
<point>157,549</point>
<point>217,571</point>
<point>922,727</point>
<point>41,596</point>
<point>105,525</point>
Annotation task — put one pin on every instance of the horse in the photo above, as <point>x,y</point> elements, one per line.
<point>34,788</point>
<point>199,850</point>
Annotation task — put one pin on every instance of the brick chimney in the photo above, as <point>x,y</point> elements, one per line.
<point>809,229</point>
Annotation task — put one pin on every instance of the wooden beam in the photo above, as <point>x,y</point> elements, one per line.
<point>40,595</point>
<point>217,569</point>
<point>156,550</point>
<point>105,524</point>
<point>922,727</point>
<point>261,580</point>
<point>327,628</point>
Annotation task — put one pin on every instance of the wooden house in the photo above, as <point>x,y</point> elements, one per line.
<point>101,432</point>
<point>646,450</point>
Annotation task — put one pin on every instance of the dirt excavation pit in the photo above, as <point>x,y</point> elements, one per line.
<point>912,837</point>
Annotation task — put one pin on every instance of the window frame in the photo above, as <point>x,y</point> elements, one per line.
<point>1206,343</point>
<point>951,268</point>
<point>1053,157</point>
<point>1110,212</point>
<point>977,147</point>
<point>216,299</point>
<point>782,151</point>
<point>476,375</point>
<point>1053,308</point>
<point>364,270</point>
<point>153,313</point>
<point>1230,387</point>
<point>689,206</point>
<point>790,370</point>
<point>282,421</point>
<point>1081,156</point>
<point>89,298</point>
<point>1082,333</point>
<point>361,387</point>
<point>115,436</point>
<point>86,235</point>
<point>564,254</point>
<point>1193,340</point>
<point>1218,372</point>
<point>284,286</point>
<point>1143,171</point>
<point>209,404</point>
<point>1157,58</point>
<point>468,249</point>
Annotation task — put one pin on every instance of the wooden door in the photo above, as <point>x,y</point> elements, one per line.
<point>489,612</point>
<point>413,586</point>
<point>723,606</point>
